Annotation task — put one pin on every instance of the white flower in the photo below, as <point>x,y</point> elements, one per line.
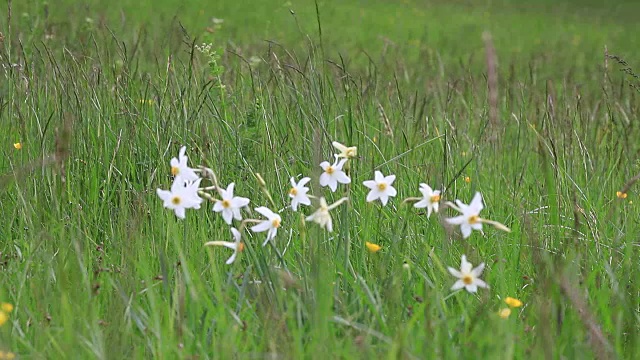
<point>179,167</point>
<point>271,224</point>
<point>430,199</point>
<point>230,205</point>
<point>470,218</point>
<point>298,193</point>
<point>468,278</point>
<point>381,188</point>
<point>333,174</point>
<point>183,195</point>
<point>345,152</point>
<point>322,217</point>
<point>237,245</point>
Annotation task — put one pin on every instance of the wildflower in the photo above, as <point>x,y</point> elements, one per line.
<point>179,167</point>
<point>237,245</point>
<point>322,216</point>
<point>6,307</point>
<point>298,193</point>
<point>345,152</point>
<point>17,146</point>
<point>182,196</point>
<point>512,302</point>
<point>4,317</point>
<point>504,313</point>
<point>430,199</point>
<point>468,278</point>
<point>271,224</point>
<point>470,218</point>
<point>333,174</point>
<point>373,247</point>
<point>467,179</point>
<point>381,188</point>
<point>230,205</point>
<point>619,194</point>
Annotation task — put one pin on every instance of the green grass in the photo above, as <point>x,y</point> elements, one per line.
<point>102,97</point>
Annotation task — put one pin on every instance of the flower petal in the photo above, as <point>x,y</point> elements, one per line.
<point>458,220</point>
<point>265,211</point>
<point>227,215</point>
<point>472,288</point>
<point>237,236</point>
<point>263,226</point>
<point>373,195</point>
<point>180,212</point>
<point>457,285</point>
<point>477,271</point>
<point>390,179</point>
<point>371,184</point>
<point>476,203</point>
<point>454,272</point>
<point>303,181</point>
<point>466,230</point>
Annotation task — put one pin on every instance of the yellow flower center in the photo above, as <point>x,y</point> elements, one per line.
<point>226,204</point>
<point>474,219</point>
<point>467,279</point>
<point>176,200</point>
<point>240,247</point>
<point>275,223</point>
<point>382,186</point>
<point>330,170</point>
<point>435,198</point>
<point>293,191</point>
<point>174,170</point>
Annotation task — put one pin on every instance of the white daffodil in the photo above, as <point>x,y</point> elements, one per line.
<point>430,199</point>
<point>298,193</point>
<point>345,152</point>
<point>381,188</point>
<point>322,216</point>
<point>468,278</point>
<point>271,224</point>
<point>179,167</point>
<point>230,205</point>
<point>183,195</point>
<point>470,219</point>
<point>333,174</point>
<point>237,245</point>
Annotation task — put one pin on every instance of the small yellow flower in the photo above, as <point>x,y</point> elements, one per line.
<point>17,145</point>
<point>512,302</point>
<point>467,179</point>
<point>6,307</point>
<point>621,195</point>
<point>373,247</point>
<point>504,313</point>
<point>10,356</point>
<point>3,317</point>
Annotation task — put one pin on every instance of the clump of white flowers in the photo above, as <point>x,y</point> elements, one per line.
<point>186,192</point>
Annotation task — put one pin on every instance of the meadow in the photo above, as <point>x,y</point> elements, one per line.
<point>532,105</point>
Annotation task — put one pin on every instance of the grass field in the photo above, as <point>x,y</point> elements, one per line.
<point>97,98</point>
